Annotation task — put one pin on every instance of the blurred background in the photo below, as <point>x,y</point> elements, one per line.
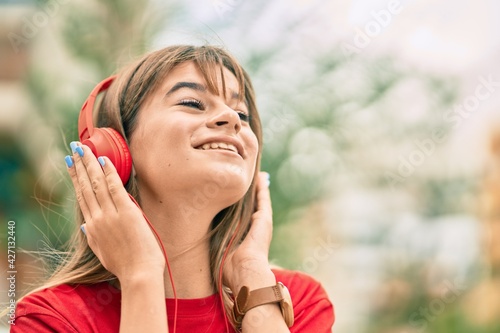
<point>381,126</point>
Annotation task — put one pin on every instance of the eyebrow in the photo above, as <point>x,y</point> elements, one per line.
<point>190,85</point>
<point>196,86</point>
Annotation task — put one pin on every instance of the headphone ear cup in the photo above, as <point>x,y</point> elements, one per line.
<point>108,142</point>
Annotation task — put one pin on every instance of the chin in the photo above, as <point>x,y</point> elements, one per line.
<point>231,201</point>
<point>228,177</point>
<point>233,191</point>
<point>227,190</point>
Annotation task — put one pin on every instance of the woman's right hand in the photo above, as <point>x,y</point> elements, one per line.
<point>116,229</point>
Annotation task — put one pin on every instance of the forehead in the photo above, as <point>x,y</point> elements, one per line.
<point>190,72</point>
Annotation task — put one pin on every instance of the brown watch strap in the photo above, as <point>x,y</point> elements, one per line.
<point>262,296</point>
<point>247,299</point>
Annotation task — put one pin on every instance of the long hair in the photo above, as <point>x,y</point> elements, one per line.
<point>118,110</point>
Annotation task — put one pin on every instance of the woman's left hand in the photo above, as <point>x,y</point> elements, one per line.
<point>249,264</point>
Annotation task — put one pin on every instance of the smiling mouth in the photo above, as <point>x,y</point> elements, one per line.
<point>218,146</point>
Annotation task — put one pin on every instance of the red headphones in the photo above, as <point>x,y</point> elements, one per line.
<point>104,141</point>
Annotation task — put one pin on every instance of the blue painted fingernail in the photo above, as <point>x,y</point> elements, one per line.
<point>79,150</point>
<point>73,146</point>
<point>101,160</point>
<point>268,179</point>
<point>69,161</point>
<point>82,228</point>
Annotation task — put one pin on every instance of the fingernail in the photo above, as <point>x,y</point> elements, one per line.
<point>73,146</point>
<point>268,179</point>
<point>82,228</point>
<point>79,150</point>
<point>69,161</point>
<point>101,160</point>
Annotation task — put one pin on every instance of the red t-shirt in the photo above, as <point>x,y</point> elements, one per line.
<point>96,308</point>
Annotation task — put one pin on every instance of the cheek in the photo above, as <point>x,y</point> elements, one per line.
<point>152,145</point>
<point>253,146</point>
<point>157,133</point>
<point>253,151</point>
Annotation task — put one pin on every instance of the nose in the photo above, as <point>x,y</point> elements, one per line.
<point>225,117</point>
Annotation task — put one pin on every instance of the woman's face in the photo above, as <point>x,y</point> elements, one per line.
<point>190,142</point>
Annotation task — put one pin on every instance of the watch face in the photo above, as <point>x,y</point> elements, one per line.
<point>286,305</point>
<point>285,293</point>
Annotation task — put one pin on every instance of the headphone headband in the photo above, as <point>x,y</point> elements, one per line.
<point>85,120</point>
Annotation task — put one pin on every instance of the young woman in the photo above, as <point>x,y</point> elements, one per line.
<point>189,121</point>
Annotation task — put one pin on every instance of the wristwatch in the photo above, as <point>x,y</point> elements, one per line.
<point>247,300</point>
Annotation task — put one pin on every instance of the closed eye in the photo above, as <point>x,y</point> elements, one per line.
<point>192,103</point>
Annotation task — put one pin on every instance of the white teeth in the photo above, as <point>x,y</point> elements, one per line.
<point>219,145</point>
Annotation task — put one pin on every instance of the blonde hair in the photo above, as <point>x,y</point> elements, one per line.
<point>119,110</point>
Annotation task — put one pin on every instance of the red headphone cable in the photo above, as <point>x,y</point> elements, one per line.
<point>166,260</point>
